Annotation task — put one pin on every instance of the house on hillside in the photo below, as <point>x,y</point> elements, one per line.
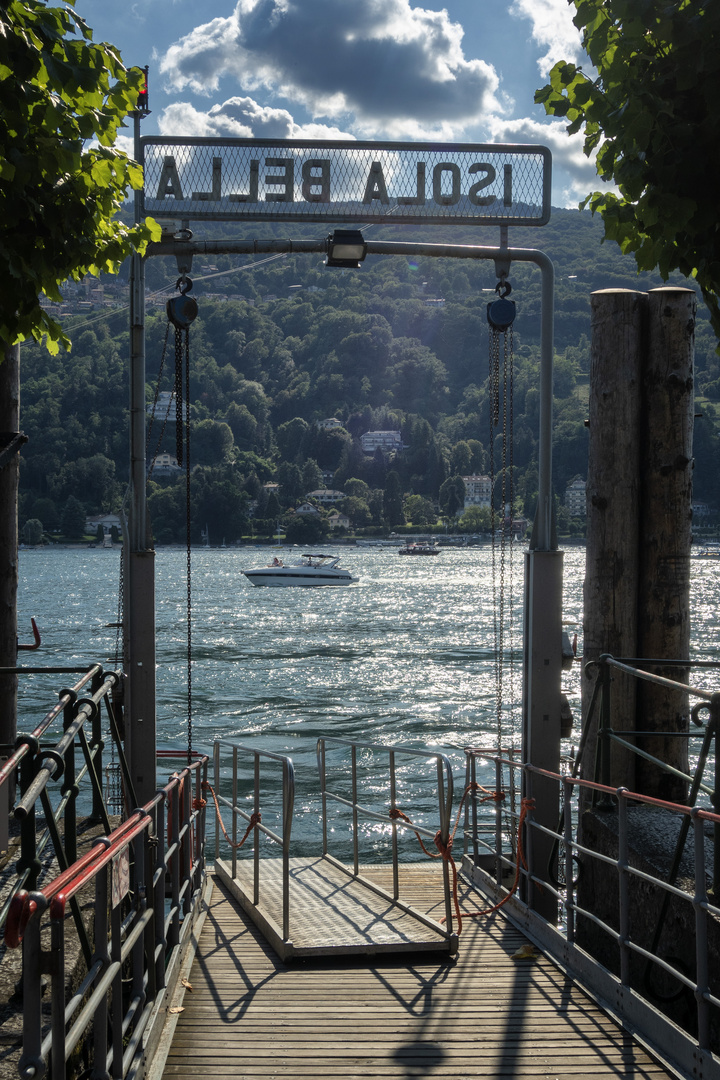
<point>326,496</point>
<point>388,441</point>
<point>478,490</point>
<point>331,424</point>
<point>575,500</point>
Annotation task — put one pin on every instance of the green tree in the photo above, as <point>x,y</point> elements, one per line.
<point>392,500</point>
<point>452,496</point>
<point>62,100</point>
<point>475,519</point>
<point>72,522</point>
<point>419,511</point>
<point>357,510</point>
<point>651,108</point>
<point>33,531</point>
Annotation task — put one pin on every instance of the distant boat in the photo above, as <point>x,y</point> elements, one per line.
<point>707,551</point>
<point>312,570</point>
<point>420,549</point>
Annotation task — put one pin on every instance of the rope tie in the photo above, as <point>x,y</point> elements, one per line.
<point>254,819</point>
<point>445,850</point>
<point>525,805</point>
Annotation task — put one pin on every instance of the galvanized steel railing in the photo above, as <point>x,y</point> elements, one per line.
<point>38,767</point>
<point>388,814</point>
<point>255,826</point>
<point>145,878</point>
<point>693,1048</point>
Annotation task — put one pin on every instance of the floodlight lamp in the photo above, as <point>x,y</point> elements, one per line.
<point>346,248</point>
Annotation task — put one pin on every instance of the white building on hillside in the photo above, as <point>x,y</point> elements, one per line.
<point>381,440</point>
<point>575,499</point>
<point>478,490</point>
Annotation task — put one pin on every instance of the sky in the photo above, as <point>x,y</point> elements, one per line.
<point>357,69</point>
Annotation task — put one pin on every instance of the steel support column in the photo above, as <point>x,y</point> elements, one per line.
<point>140,723</point>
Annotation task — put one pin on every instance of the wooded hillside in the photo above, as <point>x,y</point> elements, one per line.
<point>283,342</point>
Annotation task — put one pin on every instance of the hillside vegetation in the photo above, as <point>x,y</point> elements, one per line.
<point>283,342</point>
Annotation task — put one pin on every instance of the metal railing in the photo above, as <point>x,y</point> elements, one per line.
<point>707,702</point>
<point>50,776</point>
<point>624,992</point>
<point>389,815</point>
<point>255,826</point>
<point>145,879</point>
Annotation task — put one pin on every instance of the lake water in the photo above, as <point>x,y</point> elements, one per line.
<point>406,656</point>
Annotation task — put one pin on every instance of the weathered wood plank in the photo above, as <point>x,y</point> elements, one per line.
<point>480,1014</point>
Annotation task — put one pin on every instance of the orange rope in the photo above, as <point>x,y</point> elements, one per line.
<point>445,850</point>
<point>254,820</point>
<point>525,805</point>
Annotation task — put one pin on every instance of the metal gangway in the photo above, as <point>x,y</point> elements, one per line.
<point>317,905</point>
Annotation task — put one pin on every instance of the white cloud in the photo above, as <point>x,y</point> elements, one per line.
<point>240,118</point>
<point>553,30</point>
<point>578,173</point>
<point>386,65</point>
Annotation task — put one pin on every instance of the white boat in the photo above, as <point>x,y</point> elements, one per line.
<point>310,571</point>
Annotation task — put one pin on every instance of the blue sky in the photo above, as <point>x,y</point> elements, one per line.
<point>363,69</point>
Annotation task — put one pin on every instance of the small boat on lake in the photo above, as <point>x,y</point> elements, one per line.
<point>420,548</point>
<point>311,570</point>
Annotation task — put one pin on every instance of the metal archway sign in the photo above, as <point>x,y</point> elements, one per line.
<point>289,180</point>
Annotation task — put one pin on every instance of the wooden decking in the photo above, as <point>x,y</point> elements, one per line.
<point>479,1014</point>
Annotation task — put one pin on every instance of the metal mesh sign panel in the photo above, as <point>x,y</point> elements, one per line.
<point>422,183</point>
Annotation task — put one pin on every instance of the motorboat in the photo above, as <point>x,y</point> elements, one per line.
<point>311,570</point>
<point>420,548</point>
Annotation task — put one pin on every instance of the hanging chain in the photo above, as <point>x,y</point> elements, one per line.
<point>501,314</point>
<point>181,311</point>
<point>154,409</point>
<point>180,414</point>
<point>187,538</point>
<point>494,412</point>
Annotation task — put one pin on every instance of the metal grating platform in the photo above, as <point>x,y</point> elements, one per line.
<point>332,912</point>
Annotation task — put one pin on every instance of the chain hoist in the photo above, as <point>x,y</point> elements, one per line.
<point>181,312</point>
<point>500,316</point>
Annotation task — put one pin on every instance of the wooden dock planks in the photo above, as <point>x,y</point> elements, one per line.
<point>480,1014</point>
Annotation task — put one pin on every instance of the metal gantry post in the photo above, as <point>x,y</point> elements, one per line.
<point>140,569</point>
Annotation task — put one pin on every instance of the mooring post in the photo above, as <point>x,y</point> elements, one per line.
<point>666,465</point>
<point>613,509</point>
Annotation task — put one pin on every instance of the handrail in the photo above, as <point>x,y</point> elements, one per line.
<point>690,1053</point>
<point>254,819</point>
<point>444,778</point>
<point>38,764</point>
<point>137,935</point>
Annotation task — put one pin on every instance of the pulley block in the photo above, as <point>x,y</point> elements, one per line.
<point>501,312</point>
<point>182,310</point>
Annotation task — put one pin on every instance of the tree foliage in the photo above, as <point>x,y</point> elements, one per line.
<point>650,113</point>
<point>62,101</point>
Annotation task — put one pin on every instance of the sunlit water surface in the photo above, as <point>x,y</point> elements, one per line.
<point>404,657</point>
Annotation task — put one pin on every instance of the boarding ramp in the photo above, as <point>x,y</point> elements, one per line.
<point>316,905</point>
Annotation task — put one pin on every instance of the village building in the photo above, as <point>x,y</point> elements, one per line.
<point>478,490</point>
